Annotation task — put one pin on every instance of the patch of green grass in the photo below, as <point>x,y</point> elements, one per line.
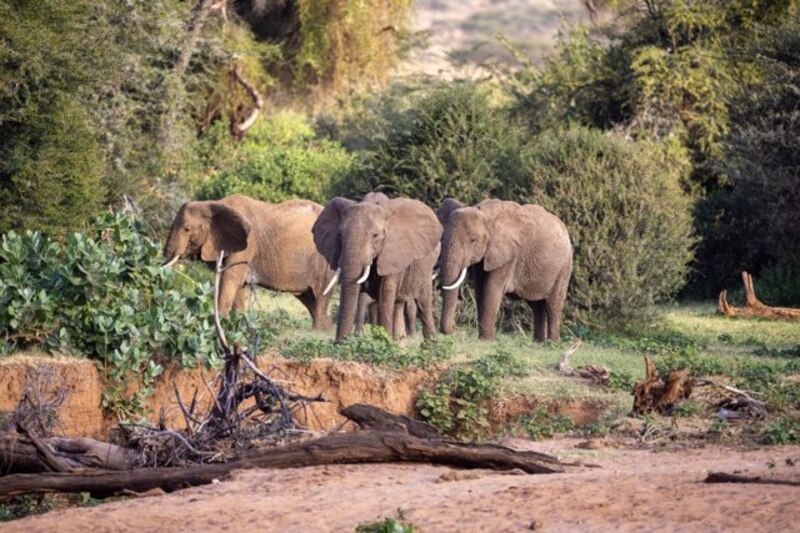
<point>17,507</point>
<point>541,424</point>
<point>387,525</point>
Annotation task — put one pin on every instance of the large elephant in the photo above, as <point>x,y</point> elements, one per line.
<point>272,242</point>
<point>385,247</point>
<point>520,250</point>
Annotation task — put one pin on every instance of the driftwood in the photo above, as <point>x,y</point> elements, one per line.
<point>370,417</point>
<point>19,454</point>
<point>336,448</point>
<point>722,477</point>
<point>653,394</point>
<point>754,307</point>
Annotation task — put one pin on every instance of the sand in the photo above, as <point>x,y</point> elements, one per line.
<point>634,490</point>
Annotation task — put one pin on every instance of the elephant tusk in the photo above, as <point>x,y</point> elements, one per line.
<point>333,281</point>
<point>364,276</point>
<point>172,261</point>
<point>458,282</point>
<point>435,274</point>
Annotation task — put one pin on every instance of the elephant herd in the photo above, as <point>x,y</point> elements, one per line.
<point>386,254</point>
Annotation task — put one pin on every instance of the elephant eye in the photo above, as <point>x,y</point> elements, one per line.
<point>375,235</point>
<point>187,229</point>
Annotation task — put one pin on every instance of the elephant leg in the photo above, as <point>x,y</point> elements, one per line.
<point>411,318</point>
<point>425,303</point>
<point>539,308</point>
<point>492,296</point>
<point>386,302</point>
<point>363,308</point>
<point>372,311</point>
<point>317,308</point>
<point>399,322</point>
<point>555,305</point>
<point>240,301</point>
<point>231,284</point>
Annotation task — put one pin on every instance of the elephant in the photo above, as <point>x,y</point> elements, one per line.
<point>384,247</point>
<point>405,315</point>
<point>522,251</point>
<point>271,242</point>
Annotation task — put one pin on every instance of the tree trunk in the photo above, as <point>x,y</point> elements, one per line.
<point>336,448</point>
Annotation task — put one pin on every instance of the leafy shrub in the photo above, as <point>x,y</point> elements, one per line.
<point>387,525</point>
<point>628,219</point>
<point>280,159</point>
<point>542,425</point>
<point>783,431</point>
<point>449,142</point>
<point>375,347</point>
<point>104,294</point>
<point>457,403</point>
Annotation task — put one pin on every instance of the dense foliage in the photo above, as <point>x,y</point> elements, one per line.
<point>104,99</point>
<point>448,142</point>
<point>629,221</point>
<point>755,223</point>
<point>103,294</point>
<point>281,158</point>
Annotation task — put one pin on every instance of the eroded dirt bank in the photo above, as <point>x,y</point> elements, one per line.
<point>340,383</point>
<point>634,490</point>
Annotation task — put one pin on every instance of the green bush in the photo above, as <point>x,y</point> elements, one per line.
<point>280,159</point>
<point>103,294</point>
<point>449,142</point>
<point>628,219</point>
<point>457,403</point>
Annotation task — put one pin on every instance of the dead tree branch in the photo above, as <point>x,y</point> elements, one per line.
<point>722,477</point>
<point>241,128</point>
<point>753,307</point>
<point>336,448</point>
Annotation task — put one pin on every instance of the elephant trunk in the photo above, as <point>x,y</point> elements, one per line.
<point>172,250</point>
<point>451,274</point>
<point>348,305</point>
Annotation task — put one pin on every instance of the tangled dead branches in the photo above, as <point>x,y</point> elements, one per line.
<point>248,409</point>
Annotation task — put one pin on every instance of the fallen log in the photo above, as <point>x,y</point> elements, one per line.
<point>336,448</point>
<point>20,454</point>
<point>722,477</point>
<point>753,307</point>
<point>370,417</point>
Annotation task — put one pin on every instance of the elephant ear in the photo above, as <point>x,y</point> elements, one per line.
<point>326,230</point>
<point>228,231</point>
<point>412,233</point>
<point>448,206</point>
<point>504,222</point>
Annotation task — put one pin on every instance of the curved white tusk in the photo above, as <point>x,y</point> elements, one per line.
<point>364,276</point>
<point>435,273</point>
<point>172,261</point>
<point>458,282</point>
<point>333,281</point>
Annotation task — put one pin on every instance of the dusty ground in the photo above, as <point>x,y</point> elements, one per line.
<point>634,490</point>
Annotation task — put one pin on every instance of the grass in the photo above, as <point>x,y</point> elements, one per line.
<point>754,353</point>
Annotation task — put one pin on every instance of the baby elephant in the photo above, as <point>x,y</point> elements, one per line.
<point>272,242</point>
<point>520,250</point>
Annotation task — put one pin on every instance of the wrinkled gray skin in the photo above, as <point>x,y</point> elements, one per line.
<point>398,239</point>
<point>272,241</point>
<point>518,250</point>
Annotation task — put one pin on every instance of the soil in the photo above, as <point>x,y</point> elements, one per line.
<point>633,490</point>
<point>340,383</point>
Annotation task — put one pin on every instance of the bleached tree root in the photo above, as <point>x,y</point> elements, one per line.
<point>753,307</point>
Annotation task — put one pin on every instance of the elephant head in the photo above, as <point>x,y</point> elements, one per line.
<point>205,229</point>
<point>488,232</point>
<point>376,232</point>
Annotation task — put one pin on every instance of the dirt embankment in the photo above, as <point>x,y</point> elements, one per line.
<point>339,383</point>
